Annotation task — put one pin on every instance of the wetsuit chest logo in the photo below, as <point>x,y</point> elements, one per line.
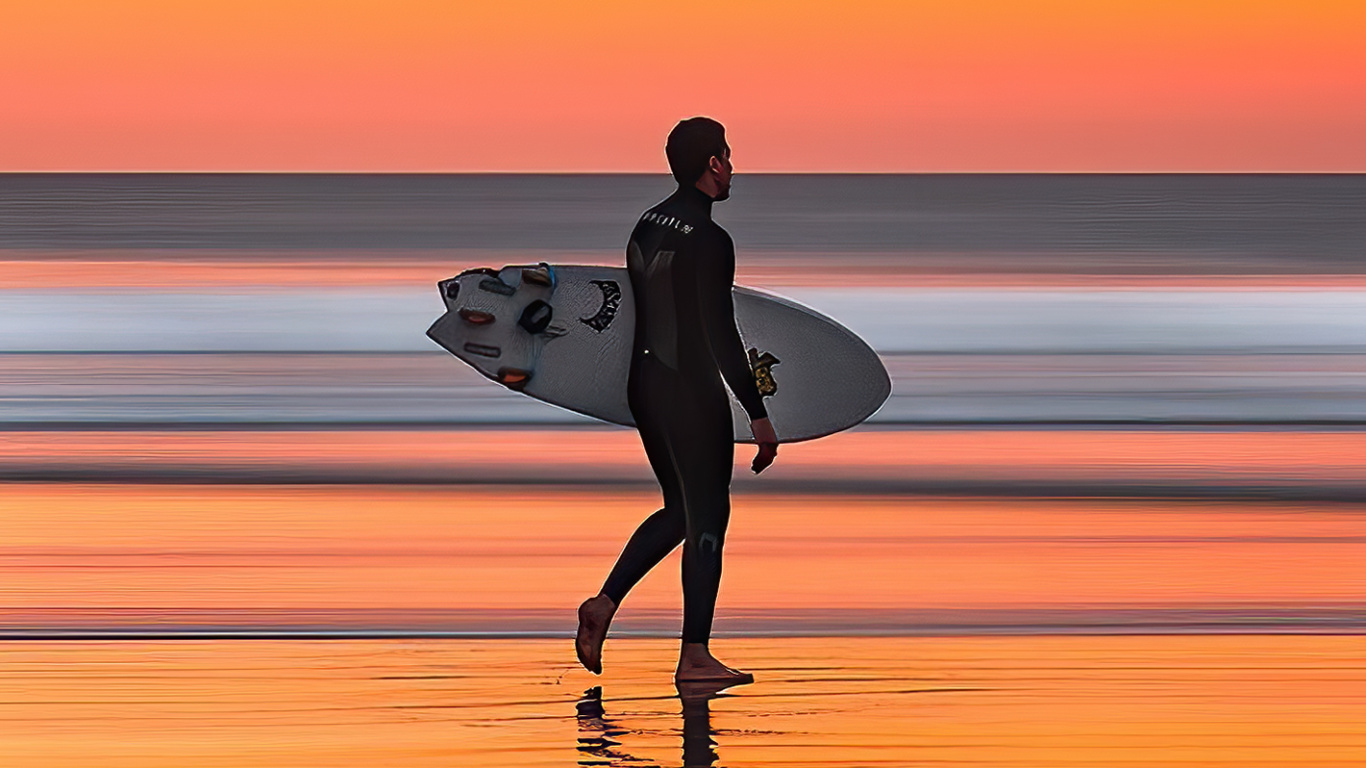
<point>611,302</point>
<point>762,365</point>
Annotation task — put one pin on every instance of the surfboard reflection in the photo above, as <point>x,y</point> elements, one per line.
<point>599,734</point>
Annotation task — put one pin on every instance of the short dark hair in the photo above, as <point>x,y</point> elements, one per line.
<point>691,146</point>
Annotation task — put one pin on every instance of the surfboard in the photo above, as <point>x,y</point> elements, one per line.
<point>563,334</point>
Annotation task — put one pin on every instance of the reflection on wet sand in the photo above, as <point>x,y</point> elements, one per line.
<point>699,748</point>
<point>599,733</point>
<point>1012,702</point>
<point>602,740</point>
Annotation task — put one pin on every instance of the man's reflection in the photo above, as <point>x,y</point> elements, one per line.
<point>599,734</point>
<point>699,748</point>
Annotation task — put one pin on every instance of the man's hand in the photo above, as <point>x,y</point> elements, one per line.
<point>768,444</point>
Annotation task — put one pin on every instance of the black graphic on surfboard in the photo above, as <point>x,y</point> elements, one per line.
<point>611,302</point>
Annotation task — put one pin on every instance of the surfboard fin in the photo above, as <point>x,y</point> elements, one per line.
<point>495,285</point>
<point>542,275</point>
<point>476,317</point>
<point>513,378</point>
<point>535,317</point>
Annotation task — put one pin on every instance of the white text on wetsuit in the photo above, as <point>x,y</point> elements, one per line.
<point>668,221</point>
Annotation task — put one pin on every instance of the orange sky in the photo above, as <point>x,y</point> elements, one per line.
<point>915,85</point>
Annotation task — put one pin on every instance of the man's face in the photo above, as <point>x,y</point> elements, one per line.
<point>723,175</point>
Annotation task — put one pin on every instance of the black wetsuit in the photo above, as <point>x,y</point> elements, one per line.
<point>682,267</point>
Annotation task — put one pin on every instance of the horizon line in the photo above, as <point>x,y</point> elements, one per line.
<point>371,172</point>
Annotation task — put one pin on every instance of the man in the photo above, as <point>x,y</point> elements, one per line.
<point>682,267</point>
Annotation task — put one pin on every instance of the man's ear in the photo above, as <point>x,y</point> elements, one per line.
<point>714,165</point>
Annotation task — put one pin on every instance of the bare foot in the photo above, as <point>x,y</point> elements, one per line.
<point>697,665</point>
<point>595,615</point>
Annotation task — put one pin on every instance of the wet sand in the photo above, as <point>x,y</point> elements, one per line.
<point>1038,701</point>
<point>508,561</point>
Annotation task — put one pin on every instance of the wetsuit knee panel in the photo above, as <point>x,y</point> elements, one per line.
<point>707,544</point>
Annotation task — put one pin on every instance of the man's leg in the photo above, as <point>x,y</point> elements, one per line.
<point>708,513</point>
<point>652,541</point>
<point>662,531</point>
<point>705,462</point>
<point>656,537</point>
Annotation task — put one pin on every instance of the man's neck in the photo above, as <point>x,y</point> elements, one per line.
<point>707,186</point>
<point>697,196</point>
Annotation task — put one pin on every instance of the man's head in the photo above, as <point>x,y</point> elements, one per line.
<point>699,156</point>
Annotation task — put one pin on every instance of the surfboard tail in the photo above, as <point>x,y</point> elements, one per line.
<point>439,333</point>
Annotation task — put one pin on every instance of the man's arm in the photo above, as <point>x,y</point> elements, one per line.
<point>715,277</point>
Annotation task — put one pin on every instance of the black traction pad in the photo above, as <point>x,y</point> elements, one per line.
<point>483,350</point>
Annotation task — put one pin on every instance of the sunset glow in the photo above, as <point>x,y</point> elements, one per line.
<point>1111,509</point>
<point>820,86</point>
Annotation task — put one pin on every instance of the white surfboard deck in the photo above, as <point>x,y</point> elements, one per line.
<point>572,347</point>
